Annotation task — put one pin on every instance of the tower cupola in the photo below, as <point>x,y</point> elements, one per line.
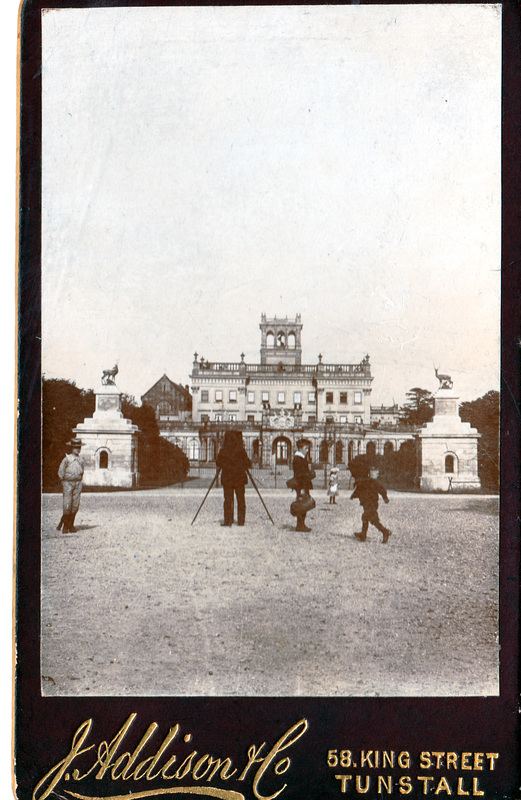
<point>280,340</point>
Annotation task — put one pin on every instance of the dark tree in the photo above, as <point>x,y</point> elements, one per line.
<point>406,465</point>
<point>173,463</point>
<point>484,414</point>
<point>418,407</point>
<point>64,405</point>
<point>159,461</point>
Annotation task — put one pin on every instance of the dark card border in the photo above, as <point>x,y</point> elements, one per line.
<point>44,726</point>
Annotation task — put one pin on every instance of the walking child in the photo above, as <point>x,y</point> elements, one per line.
<point>368,491</point>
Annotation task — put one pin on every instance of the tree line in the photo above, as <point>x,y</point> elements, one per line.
<point>64,405</point>
<point>400,468</point>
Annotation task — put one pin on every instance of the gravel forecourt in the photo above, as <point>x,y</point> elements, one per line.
<point>140,602</point>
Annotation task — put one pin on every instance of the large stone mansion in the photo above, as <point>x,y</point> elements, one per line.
<point>275,403</point>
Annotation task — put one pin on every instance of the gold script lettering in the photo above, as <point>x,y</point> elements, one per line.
<point>285,741</point>
<point>59,769</point>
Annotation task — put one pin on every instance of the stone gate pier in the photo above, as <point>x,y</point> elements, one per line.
<point>448,448</point>
<point>109,442</point>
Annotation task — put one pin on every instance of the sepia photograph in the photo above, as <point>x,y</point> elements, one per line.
<point>270,351</point>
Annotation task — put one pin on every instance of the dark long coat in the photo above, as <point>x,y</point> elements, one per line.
<point>233,462</point>
<point>302,473</point>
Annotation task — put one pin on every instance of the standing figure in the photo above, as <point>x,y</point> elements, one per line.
<point>233,462</point>
<point>332,489</point>
<point>368,489</point>
<point>303,477</point>
<point>70,474</point>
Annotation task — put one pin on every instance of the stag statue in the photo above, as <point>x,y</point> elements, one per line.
<point>109,376</point>
<point>445,380</point>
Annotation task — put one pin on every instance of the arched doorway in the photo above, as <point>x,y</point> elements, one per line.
<point>281,449</point>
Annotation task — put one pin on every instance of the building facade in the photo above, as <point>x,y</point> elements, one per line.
<point>280,387</point>
<point>385,415</point>
<point>278,401</point>
<point>170,401</point>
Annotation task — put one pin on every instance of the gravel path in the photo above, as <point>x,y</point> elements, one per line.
<point>139,602</point>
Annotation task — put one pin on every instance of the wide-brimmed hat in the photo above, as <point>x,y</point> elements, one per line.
<point>334,469</point>
<point>74,443</point>
<point>302,443</point>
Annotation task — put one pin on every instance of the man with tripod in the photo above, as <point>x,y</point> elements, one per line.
<point>234,464</point>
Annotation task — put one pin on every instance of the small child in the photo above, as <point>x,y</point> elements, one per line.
<point>368,489</point>
<point>333,486</point>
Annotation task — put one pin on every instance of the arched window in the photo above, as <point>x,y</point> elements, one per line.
<point>339,451</point>
<point>324,451</point>
<point>270,339</point>
<point>282,450</point>
<point>103,459</point>
<point>193,449</point>
<point>256,449</point>
<point>163,409</point>
<point>292,340</point>
<point>450,463</point>
<point>281,339</point>
<point>388,449</point>
<point>371,451</point>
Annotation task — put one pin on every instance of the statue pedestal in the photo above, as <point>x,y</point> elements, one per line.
<point>449,449</point>
<point>109,443</point>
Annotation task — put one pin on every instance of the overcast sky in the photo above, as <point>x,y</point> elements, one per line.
<point>204,165</point>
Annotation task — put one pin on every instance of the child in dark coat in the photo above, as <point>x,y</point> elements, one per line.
<point>368,491</point>
<point>302,475</point>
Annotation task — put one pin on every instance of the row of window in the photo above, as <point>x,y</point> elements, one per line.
<point>330,398</point>
<point>219,417</point>
<point>250,397</point>
<point>281,397</point>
